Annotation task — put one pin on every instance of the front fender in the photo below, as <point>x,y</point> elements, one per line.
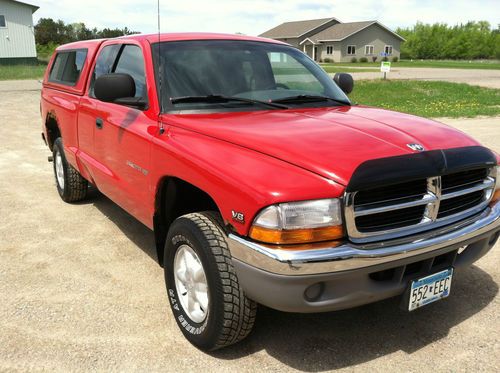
<point>238,179</point>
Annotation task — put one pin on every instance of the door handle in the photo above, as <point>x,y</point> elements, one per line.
<point>99,123</point>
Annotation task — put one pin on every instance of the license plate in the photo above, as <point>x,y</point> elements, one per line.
<point>430,289</point>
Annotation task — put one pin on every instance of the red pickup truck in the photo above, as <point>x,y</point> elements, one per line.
<point>263,183</point>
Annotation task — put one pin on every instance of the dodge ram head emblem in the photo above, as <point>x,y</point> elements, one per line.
<point>416,147</point>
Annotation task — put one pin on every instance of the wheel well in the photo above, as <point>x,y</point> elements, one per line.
<point>53,131</point>
<point>174,198</point>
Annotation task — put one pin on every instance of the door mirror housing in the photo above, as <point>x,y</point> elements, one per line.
<point>119,89</point>
<point>344,81</point>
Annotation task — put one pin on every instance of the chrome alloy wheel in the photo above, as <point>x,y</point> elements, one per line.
<point>191,283</point>
<point>59,170</point>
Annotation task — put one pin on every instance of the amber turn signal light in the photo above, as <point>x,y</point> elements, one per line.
<point>296,236</point>
<point>496,197</point>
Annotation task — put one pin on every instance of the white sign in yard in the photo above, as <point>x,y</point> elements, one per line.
<point>385,67</point>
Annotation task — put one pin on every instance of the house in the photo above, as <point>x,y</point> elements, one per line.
<point>17,34</point>
<point>329,38</point>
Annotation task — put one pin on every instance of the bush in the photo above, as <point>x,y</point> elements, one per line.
<point>374,58</point>
<point>363,59</point>
<point>354,60</point>
<point>44,52</point>
<point>395,59</point>
<point>328,60</point>
<point>385,59</point>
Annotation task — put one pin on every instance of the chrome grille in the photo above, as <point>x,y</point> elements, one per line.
<point>411,207</point>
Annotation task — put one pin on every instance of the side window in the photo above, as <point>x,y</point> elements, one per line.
<point>131,61</point>
<point>2,21</point>
<point>57,69</point>
<point>67,67</point>
<point>104,64</point>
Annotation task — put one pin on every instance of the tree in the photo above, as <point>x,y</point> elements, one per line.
<point>113,33</point>
<point>81,32</point>
<point>440,41</point>
<point>46,31</point>
<point>50,32</point>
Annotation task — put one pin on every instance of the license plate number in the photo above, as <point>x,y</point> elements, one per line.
<point>430,289</point>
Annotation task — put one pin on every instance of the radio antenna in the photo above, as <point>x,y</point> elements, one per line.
<point>160,74</point>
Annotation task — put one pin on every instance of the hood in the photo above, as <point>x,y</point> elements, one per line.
<point>331,142</point>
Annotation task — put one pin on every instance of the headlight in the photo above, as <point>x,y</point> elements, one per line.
<point>299,222</point>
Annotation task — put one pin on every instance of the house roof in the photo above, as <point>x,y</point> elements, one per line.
<point>295,29</point>
<point>341,31</point>
<point>34,8</point>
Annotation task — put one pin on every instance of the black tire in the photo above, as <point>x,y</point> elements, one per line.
<point>75,187</point>
<point>231,315</point>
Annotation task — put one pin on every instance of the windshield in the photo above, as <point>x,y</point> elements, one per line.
<point>249,70</point>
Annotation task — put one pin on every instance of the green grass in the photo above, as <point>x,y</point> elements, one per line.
<point>428,99</point>
<point>328,69</point>
<point>489,65</point>
<point>16,72</point>
<point>348,69</point>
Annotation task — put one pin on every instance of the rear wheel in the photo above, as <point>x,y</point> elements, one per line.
<point>72,187</point>
<point>207,300</point>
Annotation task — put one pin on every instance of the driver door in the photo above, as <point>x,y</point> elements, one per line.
<point>122,141</point>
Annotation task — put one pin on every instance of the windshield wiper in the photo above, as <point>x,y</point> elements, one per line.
<point>223,99</point>
<point>307,98</point>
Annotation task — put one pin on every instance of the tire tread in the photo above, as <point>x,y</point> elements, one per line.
<point>75,185</point>
<point>78,185</point>
<point>239,311</point>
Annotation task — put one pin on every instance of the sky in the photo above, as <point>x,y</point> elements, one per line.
<point>252,17</point>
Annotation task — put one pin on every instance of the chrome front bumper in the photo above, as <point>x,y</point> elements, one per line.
<point>349,256</point>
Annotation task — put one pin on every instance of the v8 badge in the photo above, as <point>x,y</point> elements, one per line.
<point>238,216</point>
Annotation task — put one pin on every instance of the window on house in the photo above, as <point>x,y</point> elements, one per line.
<point>67,66</point>
<point>388,50</point>
<point>329,50</point>
<point>351,49</point>
<point>2,21</point>
<point>368,50</point>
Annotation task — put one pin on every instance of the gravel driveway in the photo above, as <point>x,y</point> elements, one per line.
<point>80,289</point>
<point>483,78</point>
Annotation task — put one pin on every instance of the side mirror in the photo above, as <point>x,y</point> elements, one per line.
<point>344,81</point>
<point>118,88</point>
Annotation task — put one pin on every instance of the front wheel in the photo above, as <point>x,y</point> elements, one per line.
<point>207,300</point>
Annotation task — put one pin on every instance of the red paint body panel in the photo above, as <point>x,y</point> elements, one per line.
<point>153,38</point>
<point>62,101</point>
<point>107,154</point>
<point>235,177</point>
<point>245,161</point>
<point>331,142</point>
